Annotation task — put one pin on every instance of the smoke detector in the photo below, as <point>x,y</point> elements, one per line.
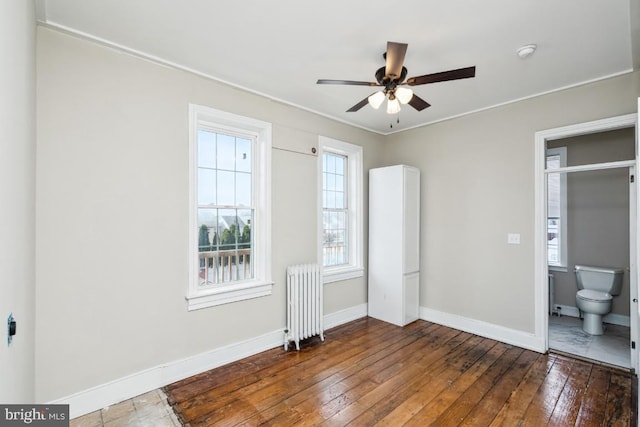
<point>526,51</point>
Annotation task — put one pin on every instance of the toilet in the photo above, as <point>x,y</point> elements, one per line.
<point>596,288</point>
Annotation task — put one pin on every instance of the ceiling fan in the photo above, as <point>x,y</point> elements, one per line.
<point>392,78</point>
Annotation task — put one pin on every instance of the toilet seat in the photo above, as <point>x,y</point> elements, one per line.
<point>594,296</point>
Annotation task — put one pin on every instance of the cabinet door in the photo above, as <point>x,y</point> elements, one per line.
<point>411,220</point>
<point>411,297</point>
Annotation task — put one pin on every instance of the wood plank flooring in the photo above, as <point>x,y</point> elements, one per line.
<point>369,372</point>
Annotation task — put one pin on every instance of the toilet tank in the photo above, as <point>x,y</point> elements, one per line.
<point>603,279</point>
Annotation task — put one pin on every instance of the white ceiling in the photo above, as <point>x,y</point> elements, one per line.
<point>280,48</point>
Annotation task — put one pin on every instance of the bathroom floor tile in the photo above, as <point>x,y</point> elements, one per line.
<point>566,335</point>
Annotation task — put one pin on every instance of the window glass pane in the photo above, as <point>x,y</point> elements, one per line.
<point>206,186</point>
<point>553,162</point>
<point>228,225</point>
<point>331,200</point>
<point>331,182</point>
<point>243,155</point>
<point>330,163</point>
<point>339,203</point>
<point>334,203</point>
<point>206,233</point>
<point>555,182</point>
<point>226,152</point>
<point>245,218</point>
<point>206,149</point>
<point>226,188</point>
<point>339,182</point>
<point>243,189</point>
<point>209,217</point>
<point>553,241</point>
<point>224,235</point>
<point>339,165</point>
<point>553,194</point>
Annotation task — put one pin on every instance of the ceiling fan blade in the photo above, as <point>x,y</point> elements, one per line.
<point>443,76</point>
<point>418,103</point>
<point>359,105</point>
<point>345,82</point>
<point>395,59</point>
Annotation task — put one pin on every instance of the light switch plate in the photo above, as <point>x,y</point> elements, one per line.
<point>513,238</point>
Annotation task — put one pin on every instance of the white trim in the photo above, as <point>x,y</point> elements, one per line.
<point>161,61</point>
<point>612,318</point>
<point>593,166</point>
<point>129,386</point>
<point>341,274</point>
<point>115,391</point>
<point>353,152</point>
<point>541,297</point>
<point>484,329</point>
<point>513,101</point>
<point>167,63</point>
<point>262,285</point>
<point>347,315</point>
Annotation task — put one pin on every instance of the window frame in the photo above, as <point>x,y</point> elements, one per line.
<point>202,117</point>
<point>564,252</point>
<point>355,217</point>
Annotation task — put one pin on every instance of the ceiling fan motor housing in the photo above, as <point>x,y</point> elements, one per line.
<point>388,83</point>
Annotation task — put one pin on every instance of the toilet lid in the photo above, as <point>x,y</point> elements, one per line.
<point>591,295</point>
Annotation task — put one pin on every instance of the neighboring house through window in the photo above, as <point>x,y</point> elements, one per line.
<point>230,211</point>
<point>341,215</point>
<point>557,208</point>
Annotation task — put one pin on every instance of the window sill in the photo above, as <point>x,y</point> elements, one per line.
<point>228,294</point>
<point>331,275</point>
<point>559,268</point>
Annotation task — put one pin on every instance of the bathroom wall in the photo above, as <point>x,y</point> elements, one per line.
<point>597,211</point>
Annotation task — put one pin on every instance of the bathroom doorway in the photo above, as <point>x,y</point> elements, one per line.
<point>595,222</point>
<point>592,221</point>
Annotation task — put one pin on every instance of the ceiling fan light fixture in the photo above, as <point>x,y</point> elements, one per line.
<point>376,99</point>
<point>404,95</point>
<point>393,106</point>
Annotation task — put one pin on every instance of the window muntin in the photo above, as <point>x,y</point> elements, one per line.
<point>225,207</point>
<point>335,213</point>
<point>340,221</point>
<point>556,208</point>
<point>230,184</point>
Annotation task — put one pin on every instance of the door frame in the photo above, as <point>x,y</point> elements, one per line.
<point>541,295</point>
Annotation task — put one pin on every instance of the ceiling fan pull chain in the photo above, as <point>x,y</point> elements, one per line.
<point>397,121</point>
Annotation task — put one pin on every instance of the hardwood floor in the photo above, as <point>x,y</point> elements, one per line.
<point>369,372</point>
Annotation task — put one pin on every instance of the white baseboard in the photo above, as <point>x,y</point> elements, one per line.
<point>124,388</point>
<point>612,318</point>
<point>484,329</point>
<point>344,316</point>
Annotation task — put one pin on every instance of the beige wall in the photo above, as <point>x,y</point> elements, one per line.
<point>17,198</point>
<point>597,211</point>
<point>112,215</point>
<point>478,186</point>
<point>112,209</point>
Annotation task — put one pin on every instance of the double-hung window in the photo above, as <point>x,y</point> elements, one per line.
<point>341,214</point>
<point>229,215</point>
<point>556,208</point>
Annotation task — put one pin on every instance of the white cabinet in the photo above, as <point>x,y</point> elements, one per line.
<point>394,244</point>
